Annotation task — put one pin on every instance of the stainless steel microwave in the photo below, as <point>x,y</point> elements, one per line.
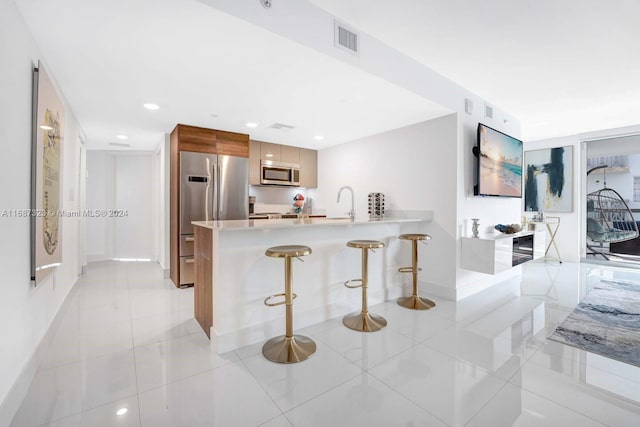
<point>279,173</point>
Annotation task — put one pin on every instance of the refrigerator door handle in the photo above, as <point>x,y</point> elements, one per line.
<point>207,191</point>
<point>215,193</point>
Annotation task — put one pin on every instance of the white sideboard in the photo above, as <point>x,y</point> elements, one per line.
<point>495,253</point>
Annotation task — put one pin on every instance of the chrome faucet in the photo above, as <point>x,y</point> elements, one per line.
<point>351,213</point>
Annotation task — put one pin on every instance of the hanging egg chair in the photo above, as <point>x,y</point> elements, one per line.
<point>609,219</point>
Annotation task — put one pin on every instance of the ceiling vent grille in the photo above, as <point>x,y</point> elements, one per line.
<point>119,144</point>
<point>281,126</point>
<point>488,111</point>
<point>345,38</point>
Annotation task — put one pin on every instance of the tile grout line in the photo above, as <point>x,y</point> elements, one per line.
<point>135,363</point>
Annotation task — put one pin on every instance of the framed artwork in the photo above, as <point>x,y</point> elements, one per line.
<point>548,180</point>
<point>47,137</point>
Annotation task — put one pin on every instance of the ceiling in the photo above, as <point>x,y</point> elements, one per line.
<point>560,67</point>
<point>205,68</point>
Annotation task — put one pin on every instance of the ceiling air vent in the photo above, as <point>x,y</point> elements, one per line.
<point>488,111</point>
<point>281,126</point>
<point>345,38</point>
<point>119,144</point>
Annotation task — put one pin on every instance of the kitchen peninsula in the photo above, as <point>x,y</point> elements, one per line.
<point>233,275</point>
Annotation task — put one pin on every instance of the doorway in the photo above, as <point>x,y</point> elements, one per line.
<point>120,192</point>
<point>614,163</point>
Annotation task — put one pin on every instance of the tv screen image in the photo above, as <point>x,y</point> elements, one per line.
<point>499,163</point>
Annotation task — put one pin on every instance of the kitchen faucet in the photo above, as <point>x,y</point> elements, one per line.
<point>351,213</point>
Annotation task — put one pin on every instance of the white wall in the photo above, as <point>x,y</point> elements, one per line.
<point>415,167</point>
<point>27,312</point>
<point>134,235</point>
<point>99,244</point>
<point>122,180</point>
<point>571,235</point>
<point>489,210</point>
<point>161,210</point>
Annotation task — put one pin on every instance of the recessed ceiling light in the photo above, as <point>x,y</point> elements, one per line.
<point>122,411</point>
<point>46,127</point>
<point>152,107</point>
<point>122,137</point>
<point>251,124</point>
<point>318,137</point>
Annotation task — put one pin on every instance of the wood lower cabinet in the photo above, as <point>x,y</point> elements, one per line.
<point>199,140</point>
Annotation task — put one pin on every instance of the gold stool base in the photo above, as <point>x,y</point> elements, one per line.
<point>416,303</point>
<point>289,350</point>
<point>364,322</point>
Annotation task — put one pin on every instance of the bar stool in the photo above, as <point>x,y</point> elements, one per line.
<point>415,302</point>
<point>363,321</point>
<point>287,348</point>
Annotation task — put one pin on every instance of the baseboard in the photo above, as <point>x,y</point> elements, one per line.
<point>434,289</point>
<point>166,273</point>
<point>97,258</point>
<point>9,407</point>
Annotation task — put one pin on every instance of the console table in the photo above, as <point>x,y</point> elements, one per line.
<point>552,224</point>
<point>495,253</point>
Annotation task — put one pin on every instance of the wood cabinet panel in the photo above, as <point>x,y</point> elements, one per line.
<point>269,151</point>
<point>192,138</point>
<point>174,212</point>
<point>232,144</point>
<point>254,162</point>
<point>308,168</point>
<point>203,292</point>
<point>289,154</point>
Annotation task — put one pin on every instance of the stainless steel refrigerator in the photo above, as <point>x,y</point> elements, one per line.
<point>212,187</point>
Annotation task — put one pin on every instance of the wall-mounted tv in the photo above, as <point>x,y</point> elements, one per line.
<point>499,164</point>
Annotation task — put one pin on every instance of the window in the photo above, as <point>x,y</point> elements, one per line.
<point>636,188</point>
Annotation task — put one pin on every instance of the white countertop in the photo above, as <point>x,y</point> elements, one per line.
<point>265,224</point>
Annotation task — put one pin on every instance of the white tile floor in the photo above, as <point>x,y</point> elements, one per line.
<point>129,342</point>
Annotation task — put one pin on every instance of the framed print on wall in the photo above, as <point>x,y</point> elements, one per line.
<point>46,172</point>
<point>548,180</point>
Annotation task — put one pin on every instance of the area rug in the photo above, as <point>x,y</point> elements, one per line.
<point>606,322</point>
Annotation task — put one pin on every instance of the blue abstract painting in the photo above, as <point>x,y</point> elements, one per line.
<point>548,180</point>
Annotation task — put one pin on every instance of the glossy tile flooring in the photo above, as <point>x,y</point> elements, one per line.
<point>128,353</point>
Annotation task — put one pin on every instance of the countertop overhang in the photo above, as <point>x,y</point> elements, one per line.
<point>266,224</point>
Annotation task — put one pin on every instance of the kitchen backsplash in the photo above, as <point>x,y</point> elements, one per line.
<point>280,199</point>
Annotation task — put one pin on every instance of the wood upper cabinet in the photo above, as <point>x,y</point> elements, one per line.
<point>232,144</point>
<point>254,162</point>
<point>307,159</point>
<point>289,154</point>
<point>203,140</point>
<point>269,151</point>
<point>308,168</point>
<point>192,138</point>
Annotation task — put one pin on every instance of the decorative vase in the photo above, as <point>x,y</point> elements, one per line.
<point>474,226</point>
<point>298,203</point>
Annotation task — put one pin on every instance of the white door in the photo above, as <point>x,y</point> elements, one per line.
<point>133,233</point>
